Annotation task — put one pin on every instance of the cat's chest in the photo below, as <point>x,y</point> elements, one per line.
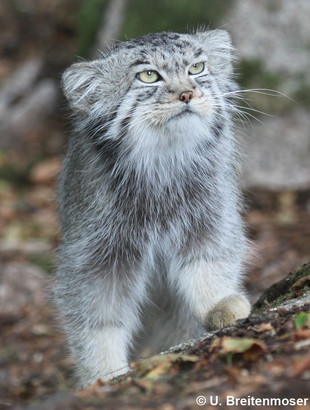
<point>187,203</point>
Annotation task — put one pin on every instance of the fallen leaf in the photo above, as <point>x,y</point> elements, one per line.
<point>302,334</point>
<point>300,366</point>
<point>216,344</point>
<point>160,365</point>
<point>160,370</point>
<point>89,391</point>
<point>250,349</point>
<point>143,384</point>
<point>302,319</point>
<point>300,284</point>
<point>264,327</point>
<point>276,367</point>
<point>241,344</point>
<point>46,172</point>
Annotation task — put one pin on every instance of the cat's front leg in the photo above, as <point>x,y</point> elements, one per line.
<point>100,353</point>
<point>212,291</point>
<point>101,315</point>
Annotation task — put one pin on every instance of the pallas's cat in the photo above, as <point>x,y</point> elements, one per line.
<point>153,243</point>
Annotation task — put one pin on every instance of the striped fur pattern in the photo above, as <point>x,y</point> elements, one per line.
<point>153,243</point>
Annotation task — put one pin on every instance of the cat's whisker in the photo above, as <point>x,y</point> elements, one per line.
<point>249,108</point>
<point>246,115</point>
<point>262,91</point>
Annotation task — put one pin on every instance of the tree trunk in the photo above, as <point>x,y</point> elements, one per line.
<point>111,24</point>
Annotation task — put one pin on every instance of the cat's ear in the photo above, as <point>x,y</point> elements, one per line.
<point>220,50</point>
<point>81,84</point>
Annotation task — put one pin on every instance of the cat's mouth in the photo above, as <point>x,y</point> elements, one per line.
<point>184,113</point>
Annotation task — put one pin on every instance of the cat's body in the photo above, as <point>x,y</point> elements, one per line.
<point>153,242</point>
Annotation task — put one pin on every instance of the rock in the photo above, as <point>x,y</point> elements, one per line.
<point>287,292</point>
<point>26,102</point>
<point>18,84</point>
<point>34,107</point>
<point>278,35</point>
<point>277,152</point>
<point>277,44</point>
<point>282,296</point>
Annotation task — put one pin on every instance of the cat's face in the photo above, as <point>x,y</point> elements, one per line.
<point>166,81</point>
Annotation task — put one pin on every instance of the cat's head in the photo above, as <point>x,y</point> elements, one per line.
<point>163,80</point>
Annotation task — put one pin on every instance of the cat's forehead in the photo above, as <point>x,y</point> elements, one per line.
<point>164,40</point>
<point>160,48</point>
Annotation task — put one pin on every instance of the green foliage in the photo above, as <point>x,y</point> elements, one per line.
<point>301,319</point>
<point>302,95</point>
<point>176,15</point>
<point>44,261</point>
<point>253,72</point>
<point>229,359</point>
<point>89,19</point>
<point>9,173</point>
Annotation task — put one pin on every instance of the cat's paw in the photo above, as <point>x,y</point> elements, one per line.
<point>227,311</point>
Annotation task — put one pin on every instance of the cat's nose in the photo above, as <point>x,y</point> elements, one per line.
<point>186,96</point>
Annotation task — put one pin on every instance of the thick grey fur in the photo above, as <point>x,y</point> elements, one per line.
<point>152,239</point>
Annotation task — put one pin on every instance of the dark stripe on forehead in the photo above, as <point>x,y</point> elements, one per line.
<point>173,36</point>
<point>198,53</point>
<point>139,62</point>
<point>181,44</point>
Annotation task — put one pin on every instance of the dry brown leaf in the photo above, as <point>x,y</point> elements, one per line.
<point>90,390</point>
<point>216,344</point>
<point>143,384</point>
<point>241,344</point>
<point>276,367</point>
<point>249,348</point>
<point>264,327</point>
<point>160,370</point>
<point>300,366</point>
<point>302,334</point>
<point>300,284</point>
<point>46,172</point>
<point>159,365</point>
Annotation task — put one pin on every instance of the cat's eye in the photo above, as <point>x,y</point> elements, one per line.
<point>196,68</point>
<point>149,76</point>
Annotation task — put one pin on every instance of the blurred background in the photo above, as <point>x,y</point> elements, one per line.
<point>38,40</point>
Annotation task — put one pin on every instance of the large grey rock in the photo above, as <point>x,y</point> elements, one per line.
<point>278,152</point>
<point>26,101</point>
<point>276,33</point>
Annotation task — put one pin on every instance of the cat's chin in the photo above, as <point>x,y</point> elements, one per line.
<point>187,123</point>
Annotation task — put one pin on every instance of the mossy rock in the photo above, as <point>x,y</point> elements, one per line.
<point>288,288</point>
